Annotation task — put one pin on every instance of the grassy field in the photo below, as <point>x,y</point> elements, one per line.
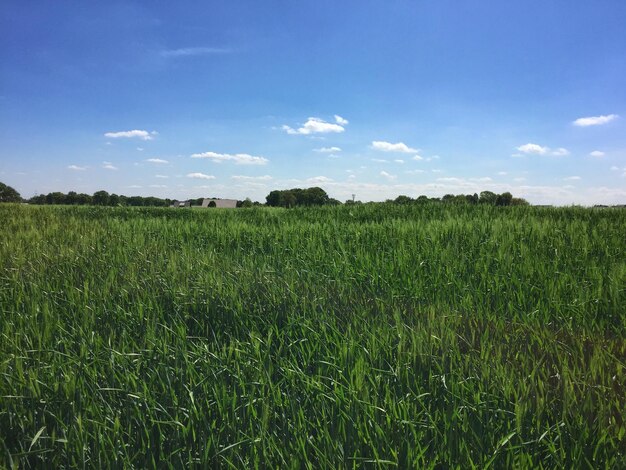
<point>368,336</point>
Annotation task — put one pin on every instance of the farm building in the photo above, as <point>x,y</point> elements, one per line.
<point>178,204</point>
<point>223,203</point>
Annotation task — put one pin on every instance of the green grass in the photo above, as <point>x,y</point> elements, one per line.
<point>368,336</point>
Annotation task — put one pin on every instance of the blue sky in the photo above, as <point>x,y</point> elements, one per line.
<point>235,98</point>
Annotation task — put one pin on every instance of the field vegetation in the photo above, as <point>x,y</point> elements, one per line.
<point>373,335</point>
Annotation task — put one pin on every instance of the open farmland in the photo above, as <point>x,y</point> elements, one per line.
<point>412,336</point>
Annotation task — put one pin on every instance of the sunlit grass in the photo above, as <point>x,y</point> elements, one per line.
<point>377,335</point>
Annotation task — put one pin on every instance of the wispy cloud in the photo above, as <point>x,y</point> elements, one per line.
<point>399,161</point>
<point>195,51</point>
<point>341,121</point>
<point>108,166</point>
<point>136,133</point>
<point>388,176</point>
<point>560,152</point>
<point>251,178</point>
<point>595,120</point>
<point>161,176</point>
<point>597,154</point>
<point>156,160</point>
<point>316,125</point>
<point>76,168</point>
<point>327,150</point>
<point>536,149</point>
<point>390,147</point>
<point>319,180</point>
<point>237,159</point>
<point>572,178</point>
<point>200,176</point>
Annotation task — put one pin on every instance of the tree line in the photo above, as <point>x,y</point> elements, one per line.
<point>318,197</point>
<point>294,197</point>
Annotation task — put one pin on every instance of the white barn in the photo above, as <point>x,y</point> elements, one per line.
<point>223,203</point>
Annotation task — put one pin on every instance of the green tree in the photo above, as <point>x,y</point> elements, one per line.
<point>100,198</point>
<point>8,194</point>
<point>504,199</point>
<point>487,197</point>
<point>403,200</point>
<point>273,198</point>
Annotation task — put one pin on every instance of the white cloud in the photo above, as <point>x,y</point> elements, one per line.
<point>390,177</point>
<point>389,147</point>
<point>614,168</point>
<point>399,161</point>
<point>595,120</point>
<point>201,176</point>
<point>315,126</point>
<point>140,134</point>
<point>238,159</point>
<point>76,168</point>
<point>572,178</point>
<point>251,178</point>
<point>414,172</point>
<point>502,173</point>
<point>108,166</point>
<point>140,149</point>
<point>597,154</point>
<point>560,152</point>
<point>379,160</point>
<point>327,150</point>
<point>533,149</point>
<point>156,160</point>
<point>134,186</point>
<point>341,121</point>
<point>332,155</point>
<point>194,51</point>
<point>520,179</point>
<point>161,176</point>
<point>417,157</point>
<point>319,179</point>
<point>157,186</point>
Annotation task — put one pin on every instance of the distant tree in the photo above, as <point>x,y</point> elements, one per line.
<point>246,203</point>
<point>114,200</point>
<point>403,200</point>
<point>100,198</point>
<point>38,199</point>
<point>288,199</point>
<point>56,197</point>
<point>333,202</point>
<point>273,198</point>
<point>504,199</point>
<point>518,201</point>
<point>487,197</point>
<point>8,194</point>
<point>472,198</point>
<point>315,197</point>
<point>422,199</point>
<point>83,199</point>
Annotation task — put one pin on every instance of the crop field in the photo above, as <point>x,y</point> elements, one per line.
<point>377,335</point>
